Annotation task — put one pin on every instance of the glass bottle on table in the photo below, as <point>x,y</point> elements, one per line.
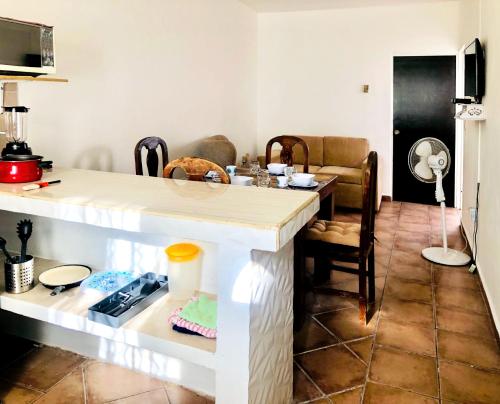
<point>263,179</point>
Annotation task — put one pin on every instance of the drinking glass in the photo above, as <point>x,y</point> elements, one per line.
<point>288,172</point>
<point>254,167</point>
<point>263,179</point>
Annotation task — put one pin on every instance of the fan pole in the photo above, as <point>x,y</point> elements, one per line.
<point>441,199</point>
<point>443,255</point>
<point>443,227</point>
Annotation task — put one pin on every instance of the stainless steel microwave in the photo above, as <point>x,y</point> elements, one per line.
<point>26,48</point>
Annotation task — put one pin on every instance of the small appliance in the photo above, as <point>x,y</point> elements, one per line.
<point>16,130</point>
<point>26,48</point>
<point>429,161</point>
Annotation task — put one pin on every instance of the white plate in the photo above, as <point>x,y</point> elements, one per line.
<point>313,185</point>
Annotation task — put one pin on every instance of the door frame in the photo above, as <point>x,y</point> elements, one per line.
<point>459,124</point>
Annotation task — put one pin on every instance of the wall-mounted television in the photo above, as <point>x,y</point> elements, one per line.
<point>474,71</point>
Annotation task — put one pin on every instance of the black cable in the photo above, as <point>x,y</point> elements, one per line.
<point>476,224</point>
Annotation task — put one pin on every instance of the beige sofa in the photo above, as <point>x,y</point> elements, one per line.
<point>341,156</point>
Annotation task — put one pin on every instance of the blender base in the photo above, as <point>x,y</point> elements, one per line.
<point>16,148</point>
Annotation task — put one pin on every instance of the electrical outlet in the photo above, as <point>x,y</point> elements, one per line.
<point>472,268</point>
<point>473,215</point>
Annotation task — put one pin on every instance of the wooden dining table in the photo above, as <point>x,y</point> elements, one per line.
<point>326,190</point>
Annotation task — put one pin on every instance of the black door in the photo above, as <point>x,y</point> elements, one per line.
<point>423,89</point>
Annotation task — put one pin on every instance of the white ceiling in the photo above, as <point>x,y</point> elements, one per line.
<point>297,5</point>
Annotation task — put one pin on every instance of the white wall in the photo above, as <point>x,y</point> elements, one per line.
<point>312,65</point>
<point>178,69</point>
<point>484,147</point>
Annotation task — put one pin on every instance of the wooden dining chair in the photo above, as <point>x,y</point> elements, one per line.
<point>286,155</point>
<point>195,169</point>
<point>151,144</point>
<point>332,242</point>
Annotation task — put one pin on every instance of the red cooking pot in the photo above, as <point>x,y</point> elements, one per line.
<point>22,168</point>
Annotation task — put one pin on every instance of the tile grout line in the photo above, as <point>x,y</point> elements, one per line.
<point>84,382</point>
<point>436,341</point>
<point>367,376</point>
<point>308,377</point>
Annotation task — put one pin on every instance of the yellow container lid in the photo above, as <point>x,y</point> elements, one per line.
<point>182,252</point>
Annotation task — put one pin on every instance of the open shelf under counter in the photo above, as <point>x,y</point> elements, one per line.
<point>148,330</point>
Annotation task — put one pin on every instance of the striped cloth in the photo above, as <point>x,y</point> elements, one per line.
<point>177,320</point>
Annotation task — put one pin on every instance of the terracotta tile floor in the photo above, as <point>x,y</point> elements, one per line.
<point>431,341</point>
<point>30,373</point>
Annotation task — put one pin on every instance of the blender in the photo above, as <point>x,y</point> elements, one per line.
<point>15,124</point>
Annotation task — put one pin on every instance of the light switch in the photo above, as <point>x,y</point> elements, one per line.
<point>366,88</point>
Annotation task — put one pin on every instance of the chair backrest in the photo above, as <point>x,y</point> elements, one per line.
<point>369,202</point>
<point>195,169</point>
<point>286,156</point>
<point>151,144</point>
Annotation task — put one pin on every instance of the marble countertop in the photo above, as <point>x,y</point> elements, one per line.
<point>255,217</point>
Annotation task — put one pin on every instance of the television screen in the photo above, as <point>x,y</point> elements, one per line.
<point>474,71</point>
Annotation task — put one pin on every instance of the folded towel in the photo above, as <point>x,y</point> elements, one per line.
<point>184,330</point>
<point>175,319</point>
<point>201,311</point>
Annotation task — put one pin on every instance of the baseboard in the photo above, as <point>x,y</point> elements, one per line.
<point>386,198</point>
<point>492,311</point>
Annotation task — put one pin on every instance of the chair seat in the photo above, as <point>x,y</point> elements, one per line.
<point>342,233</point>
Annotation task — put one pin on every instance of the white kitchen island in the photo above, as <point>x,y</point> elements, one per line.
<point>115,221</point>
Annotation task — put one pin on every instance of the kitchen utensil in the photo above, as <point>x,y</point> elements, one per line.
<point>22,168</point>
<point>19,276</point>
<point>263,179</point>
<point>282,181</point>
<point>24,229</point>
<point>146,290</point>
<point>314,184</point>
<point>303,180</point>
<point>16,129</point>
<point>184,269</point>
<point>241,180</point>
<point>98,312</point>
<point>3,244</point>
<point>64,277</point>
<point>39,185</point>
<point>276,168</point>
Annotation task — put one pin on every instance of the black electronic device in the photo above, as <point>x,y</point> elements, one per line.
<point>474,71</point>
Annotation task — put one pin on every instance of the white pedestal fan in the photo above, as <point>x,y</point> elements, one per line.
<point>429,161</point>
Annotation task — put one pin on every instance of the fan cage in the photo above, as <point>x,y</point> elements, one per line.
<point>437,146</point>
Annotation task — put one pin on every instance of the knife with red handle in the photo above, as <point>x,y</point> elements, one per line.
<point>39,185</point>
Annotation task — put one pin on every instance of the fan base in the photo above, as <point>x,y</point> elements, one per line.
<point>452,257</point>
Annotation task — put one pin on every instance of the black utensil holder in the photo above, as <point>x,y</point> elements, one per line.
<point>98,312</point>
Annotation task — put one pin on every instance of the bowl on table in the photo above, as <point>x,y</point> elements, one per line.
<point>241,180</point>
<point>276,168</point>
<point>303,180</point>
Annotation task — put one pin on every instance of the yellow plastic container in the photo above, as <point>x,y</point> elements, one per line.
<point>184,269</point>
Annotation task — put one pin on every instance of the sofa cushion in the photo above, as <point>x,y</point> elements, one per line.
<point>345,174</point>
<point>312,169</point>
<point>344,151</point>
<point>315,144</point>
